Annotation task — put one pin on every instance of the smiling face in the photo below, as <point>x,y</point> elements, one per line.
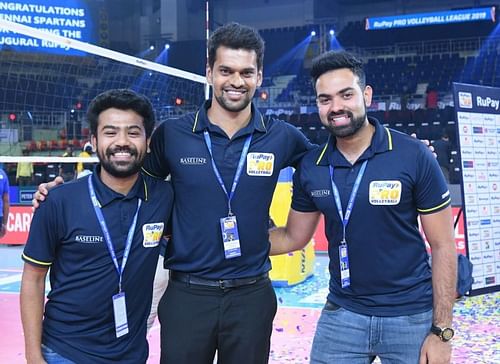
<point>341,102</point>
<point>121,142</point>
<point>234,78</point>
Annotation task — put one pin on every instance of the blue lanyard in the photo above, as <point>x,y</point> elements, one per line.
<point>350,204</point>
<point>107,237</point>
<point>243,156</point>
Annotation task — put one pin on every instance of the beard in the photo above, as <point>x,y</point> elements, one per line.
<point>121,169</point>
<point>233,106</point>
<point>348,130</point>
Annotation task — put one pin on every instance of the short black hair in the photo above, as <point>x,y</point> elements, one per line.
<point>236,36</point>
<point>334,60</point>
<point>122,99</point>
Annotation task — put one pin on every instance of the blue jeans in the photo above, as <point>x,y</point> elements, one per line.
<point>51,357</point>
<point>345,337</point>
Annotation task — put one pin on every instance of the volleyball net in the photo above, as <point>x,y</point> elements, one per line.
<point>44,97</point>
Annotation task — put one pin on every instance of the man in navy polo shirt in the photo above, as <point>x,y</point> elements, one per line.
<point>99,235</point>
<point>371,184</point>
<point>224,163</point>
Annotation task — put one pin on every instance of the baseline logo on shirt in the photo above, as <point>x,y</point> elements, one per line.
<point>193,161</point>
<point>385,192</point>
<point>320,193</point>
<point>152,234</point>
<point>260,164</point>
<point>89,239</point>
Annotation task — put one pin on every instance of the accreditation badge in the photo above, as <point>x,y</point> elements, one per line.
<point>230,237</point>
<point>152,234</point>
<point>345,276</point>
<point>120,314</point>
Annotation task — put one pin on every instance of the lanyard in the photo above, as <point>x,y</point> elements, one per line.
<point>237,175</point>
<point>350,204</point>
<point>107,237</point>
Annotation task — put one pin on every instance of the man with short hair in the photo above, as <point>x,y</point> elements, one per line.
<point>100,237</point>
<point>224,162</point>
<point>371,184</point>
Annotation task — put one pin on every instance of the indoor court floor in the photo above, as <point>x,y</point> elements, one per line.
<point>477,319</point>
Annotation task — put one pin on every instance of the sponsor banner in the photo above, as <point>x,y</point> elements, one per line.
<point>478,124</point>
<point>431,18</point>
<point>18,225</point>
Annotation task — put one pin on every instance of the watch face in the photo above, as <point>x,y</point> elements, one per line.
<point>447,334</point>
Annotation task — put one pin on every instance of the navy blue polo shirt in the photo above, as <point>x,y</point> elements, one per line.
<point>65,235</point>
<point>178,148</point>
<point>389,269</point>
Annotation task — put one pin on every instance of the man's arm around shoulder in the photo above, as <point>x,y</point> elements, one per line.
<point>299,230</point>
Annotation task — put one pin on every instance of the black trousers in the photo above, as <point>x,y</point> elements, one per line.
<point>198,320</point>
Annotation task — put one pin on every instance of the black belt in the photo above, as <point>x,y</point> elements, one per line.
<point>221,283</point>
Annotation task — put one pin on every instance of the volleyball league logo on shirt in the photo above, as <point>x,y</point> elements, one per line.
<point>260,164</point>
<point>152,234</point>
<point>385,192</point>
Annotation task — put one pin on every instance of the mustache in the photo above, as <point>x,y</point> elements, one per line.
<point>332,114</point>
<point>131,151</point>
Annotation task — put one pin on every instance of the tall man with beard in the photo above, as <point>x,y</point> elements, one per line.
<point>99,235</point>
<point>371,184</point>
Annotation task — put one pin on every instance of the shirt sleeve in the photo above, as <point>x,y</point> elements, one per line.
<point>5,182</point>
<point>432,194</point>
<point>44,235</point>
<point>301,200</point>
<point>155,163</point>
<point>299,146</point>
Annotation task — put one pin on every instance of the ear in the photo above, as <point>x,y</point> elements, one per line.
<point>148,140</point>
<point>93,140</point>
<point>209,75</point>
<point>367,94</point>
<point>259,78</point>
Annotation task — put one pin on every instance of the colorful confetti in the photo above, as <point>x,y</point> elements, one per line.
<point>476,323</point>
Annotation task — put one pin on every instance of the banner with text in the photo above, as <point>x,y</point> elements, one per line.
<point>18,225</point>
<point>67,18</point>
<point>478,121</point>
<point>434,18</point>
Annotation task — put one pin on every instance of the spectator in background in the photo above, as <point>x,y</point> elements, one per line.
<point>4,201</point>
<point>24,172</point>
<point>82,169</point>
<point>67,170</point>
<point>442,147</point>
<point>431,100</point>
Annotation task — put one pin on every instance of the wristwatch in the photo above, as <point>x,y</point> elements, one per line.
<point>445,333</point>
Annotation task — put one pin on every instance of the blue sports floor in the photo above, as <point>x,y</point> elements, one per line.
<point>477,319</point>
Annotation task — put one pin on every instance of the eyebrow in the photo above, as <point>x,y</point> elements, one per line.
<point>128,127</point>
<point>344,90</point>
<point>247,69</point>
